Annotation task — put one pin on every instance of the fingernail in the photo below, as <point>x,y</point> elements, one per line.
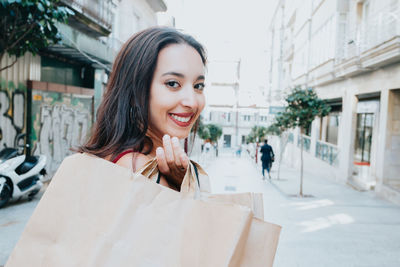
<point>159,150</point>
<point>175,139</point>
<point>166,137</point>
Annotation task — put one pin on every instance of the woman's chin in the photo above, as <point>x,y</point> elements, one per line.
<point>179,134</point>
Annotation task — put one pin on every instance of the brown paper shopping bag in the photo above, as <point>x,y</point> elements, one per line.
<point>263,237</point>
<point>95,213</point>
<point>261,244</point>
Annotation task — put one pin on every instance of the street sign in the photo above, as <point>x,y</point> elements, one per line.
<point>276,109</point>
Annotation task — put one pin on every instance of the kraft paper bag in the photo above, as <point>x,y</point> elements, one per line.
<point>263,237</point>
<point>95,213</point>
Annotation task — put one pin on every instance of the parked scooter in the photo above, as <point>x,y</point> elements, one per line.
<point>21,176</point>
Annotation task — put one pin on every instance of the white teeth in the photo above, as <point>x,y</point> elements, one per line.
<point>181,119</point>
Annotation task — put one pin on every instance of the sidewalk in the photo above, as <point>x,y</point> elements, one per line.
<point>338,226</point>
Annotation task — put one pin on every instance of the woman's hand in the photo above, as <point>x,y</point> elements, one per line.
<point>172,161</point>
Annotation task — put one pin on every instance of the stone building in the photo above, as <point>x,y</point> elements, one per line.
<point>349,51</point>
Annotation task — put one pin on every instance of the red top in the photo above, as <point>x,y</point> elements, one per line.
<point>121,155</point>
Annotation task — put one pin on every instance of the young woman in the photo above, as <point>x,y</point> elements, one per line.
<point>153,98</point>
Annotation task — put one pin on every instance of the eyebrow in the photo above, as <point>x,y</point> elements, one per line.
<point>201,77</point>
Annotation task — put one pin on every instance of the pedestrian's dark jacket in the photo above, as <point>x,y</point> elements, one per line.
<point>267,153</point>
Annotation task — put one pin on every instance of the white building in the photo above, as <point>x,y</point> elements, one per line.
<point>231,106</point>
<point>349,51</point>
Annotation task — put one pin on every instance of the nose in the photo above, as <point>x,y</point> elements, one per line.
<point>189,98</point>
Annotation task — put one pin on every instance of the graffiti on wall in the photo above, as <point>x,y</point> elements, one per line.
<point>12,115</point>
<point>60,122</point>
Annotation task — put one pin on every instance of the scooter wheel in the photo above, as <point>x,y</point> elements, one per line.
<point>5,195</point>
<point>32,194</point>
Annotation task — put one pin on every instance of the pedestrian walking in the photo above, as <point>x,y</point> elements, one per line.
<point>239,151</point>
<point>267,158</point>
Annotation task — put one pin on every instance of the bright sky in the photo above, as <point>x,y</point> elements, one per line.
<point>231,30</point>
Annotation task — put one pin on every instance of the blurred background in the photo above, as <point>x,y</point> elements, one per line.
<point>334,184</point>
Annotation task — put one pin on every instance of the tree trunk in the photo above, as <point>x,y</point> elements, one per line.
<point>283,142</point>
<point>256,152</point>
<point>301,165</point>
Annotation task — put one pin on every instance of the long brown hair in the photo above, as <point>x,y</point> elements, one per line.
<point>122,117</point>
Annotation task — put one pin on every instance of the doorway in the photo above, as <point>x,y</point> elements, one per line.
<point>367,115</point>
<point>227,140</point>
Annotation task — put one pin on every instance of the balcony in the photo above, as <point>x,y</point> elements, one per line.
<point>372,44</point>
<point>93,17</point>
<point>327,152</point>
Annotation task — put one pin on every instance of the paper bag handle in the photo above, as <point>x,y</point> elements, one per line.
<point>195,170</point>
<point>189,185</point>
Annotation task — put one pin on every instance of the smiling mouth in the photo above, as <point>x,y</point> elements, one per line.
<point>181,119</point>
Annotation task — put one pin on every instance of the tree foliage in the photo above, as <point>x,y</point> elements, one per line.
<point>211,132</point>
<point>29,26</point>
<point>257,133</point>
<point>215,132</point>
<point>281,124</point>
<point>303,105</point>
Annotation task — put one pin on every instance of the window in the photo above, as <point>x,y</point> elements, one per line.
<point>333,127</point>
<point>329,129</point>
<point>246,117</point>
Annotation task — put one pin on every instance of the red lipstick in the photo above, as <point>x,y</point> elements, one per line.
<point>182,115</point>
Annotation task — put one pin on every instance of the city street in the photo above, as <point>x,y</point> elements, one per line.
<point>13,219</point>
<point>337,226</point>
<point>314,84</point>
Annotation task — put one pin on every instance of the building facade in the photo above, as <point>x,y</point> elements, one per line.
<point>52,97</point>
<point>234,108</point>
<point>348,50</point>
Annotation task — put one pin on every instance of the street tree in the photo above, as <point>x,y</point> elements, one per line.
<point>29,26</point>
<point>211,132</point>
<point>257,133</point>
<point>215,133</point>
<point>279,128</point>
<point>303,106</point>
<point>205,133</point>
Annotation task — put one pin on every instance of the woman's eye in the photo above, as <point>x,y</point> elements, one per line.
<point>199,86</point>
<point>172,84</point>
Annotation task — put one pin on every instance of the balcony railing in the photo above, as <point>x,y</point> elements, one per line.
<point>100,11</point>
<point>379,27</point>
<point>306,142</point>
<point>327,152</point>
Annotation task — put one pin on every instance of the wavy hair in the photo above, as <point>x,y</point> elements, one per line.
<point>123,115</point>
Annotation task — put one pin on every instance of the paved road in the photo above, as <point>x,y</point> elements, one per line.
<point>13,218</point>
<point>338,226</point>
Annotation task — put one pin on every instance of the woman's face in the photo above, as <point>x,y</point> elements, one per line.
<point>176,92</point>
